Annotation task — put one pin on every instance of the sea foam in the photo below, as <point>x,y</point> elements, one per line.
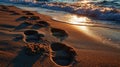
<point>83,9</point>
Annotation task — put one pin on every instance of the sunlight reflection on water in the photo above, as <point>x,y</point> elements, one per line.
<point>83,21</point>
<point>77,20</point>
<point>73,19</point>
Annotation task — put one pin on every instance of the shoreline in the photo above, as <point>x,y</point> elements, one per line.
<point>90,52</point>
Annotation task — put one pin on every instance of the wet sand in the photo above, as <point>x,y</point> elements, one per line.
<point>29,39</point>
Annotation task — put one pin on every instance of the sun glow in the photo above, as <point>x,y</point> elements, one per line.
<point>85,1</point>
<point>34,1</point>
<point>78,20</point>
<point>81,23</point>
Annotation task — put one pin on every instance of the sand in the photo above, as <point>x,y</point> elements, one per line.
<point>29,39</point>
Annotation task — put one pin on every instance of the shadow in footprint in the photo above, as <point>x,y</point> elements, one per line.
<point>27,57</point>
<point>36,26</point>
<point>7,26</point>
<point>43,23</point>
<point>15,13</point>
<point>63,55</point>
<point>40,24</point>
<point>29,13</point>
<point>4,8</point>
<point>22,26</point>
<point>25,11</point>
<point>30,32</point>
<point>33,36</point>
<point>6,45</point>
<point>34,18</point>
<point>61,34</point>
<point>22,18</point>
<point>18,38</point>
<point>29,18</point>
<point>10,11</point>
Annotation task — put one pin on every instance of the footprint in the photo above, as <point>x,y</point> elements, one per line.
<point>28,56</point>
<point>40,24</point>
<point>22,18</point>
<point>25,11</point>
<point>61,34</point>
<point>33,49</point>
<point>15,13</point>
<point>30,32</point>
<point>62,54</point>
<point>36,26</point>
<point>43,23</point>
<point>6,26</point>
<point>11,11</point>
<point>29,13</point>
<point>33,36</point>
<point>29,18</point>
<point>18,38</point>
<point>23,25</point>
<point>34,18</point>
<point>4,8</point>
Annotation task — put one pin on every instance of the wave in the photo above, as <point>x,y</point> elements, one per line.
<point>92,10</point>
<point>89,10</point>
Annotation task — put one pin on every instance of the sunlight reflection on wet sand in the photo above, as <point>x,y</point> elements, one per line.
<point>81,21</point>
<point>84,25</point>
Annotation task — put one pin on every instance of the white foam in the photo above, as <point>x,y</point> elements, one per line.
<point>89,9</point>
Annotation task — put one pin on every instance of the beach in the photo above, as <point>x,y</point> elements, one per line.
<point>30,39</point>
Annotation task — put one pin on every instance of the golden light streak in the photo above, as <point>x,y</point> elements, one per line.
<point>81,24</point>
<point>78,20</point>
<point>85,1</point>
